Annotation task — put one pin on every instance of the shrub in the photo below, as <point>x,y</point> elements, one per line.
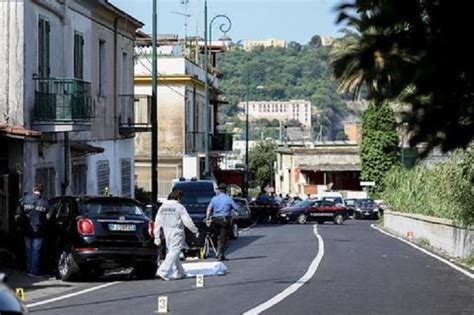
<point>445,191</point>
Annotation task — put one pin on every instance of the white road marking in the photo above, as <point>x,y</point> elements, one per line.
<point>447,262</point>
<point>67,296</point>
<point>248,228</point>
<point>298,284</point>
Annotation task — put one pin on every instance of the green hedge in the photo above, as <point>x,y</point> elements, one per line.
<point>445,190</point>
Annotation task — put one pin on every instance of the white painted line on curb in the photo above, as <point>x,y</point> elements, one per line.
<point>298,284</point>
<point>447,262</point>
<point>67,296</point>
<point>249,227</point>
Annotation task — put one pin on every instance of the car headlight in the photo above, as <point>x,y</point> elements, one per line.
<point>358,209</point>
<point>376,210</point>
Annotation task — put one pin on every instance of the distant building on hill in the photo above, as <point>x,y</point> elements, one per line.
<point>272,42</point>
<point>327,41</point>
<point>299,110</point>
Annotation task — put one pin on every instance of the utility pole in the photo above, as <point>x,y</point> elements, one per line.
<point>206,87</point>
<point>154,112</point>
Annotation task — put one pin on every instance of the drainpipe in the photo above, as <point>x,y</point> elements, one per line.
<point>65,183</point>
<point>115,108</point>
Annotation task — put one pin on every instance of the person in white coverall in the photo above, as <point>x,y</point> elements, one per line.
<point>172,217</point>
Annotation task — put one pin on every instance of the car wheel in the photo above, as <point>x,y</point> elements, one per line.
<point>234,231</point>
<point>338,219</point>
<point>302,218</point>
<point>66,266</point>
<point>145,271</point>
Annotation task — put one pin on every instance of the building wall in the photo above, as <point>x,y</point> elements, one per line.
<point>284,111</point>
<point>272,42</point>
<point>12,54</point>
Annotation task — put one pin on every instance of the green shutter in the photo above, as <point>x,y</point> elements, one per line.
<point>46,48</point>
<point>41,48</point>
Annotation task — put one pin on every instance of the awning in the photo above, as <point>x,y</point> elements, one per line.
<point>330,167</point>
<point>18,131</point>
<point>83,149</point>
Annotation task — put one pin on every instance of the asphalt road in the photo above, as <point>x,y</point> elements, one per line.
<point>362,272</point>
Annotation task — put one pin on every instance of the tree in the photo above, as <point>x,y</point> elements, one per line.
<point>379,147</point>
<point>404,51</point>
<point>315,41</point>
<point>261,160</point>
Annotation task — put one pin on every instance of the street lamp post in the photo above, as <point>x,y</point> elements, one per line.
<point>224,27</point>
<point>154,112</point>
<point>246,190</point>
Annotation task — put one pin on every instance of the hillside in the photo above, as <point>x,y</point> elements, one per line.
<point>297,72</point>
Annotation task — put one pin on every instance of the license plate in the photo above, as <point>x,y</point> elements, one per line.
<point>123,227</point>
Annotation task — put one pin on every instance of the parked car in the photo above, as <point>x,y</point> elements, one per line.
<point>196,197</point>
<point>93,234</point>
<point>350,205</point>
<point>366,209</point>
<point>9,302</point>
<point>313,210</point>
<point>243,212</point>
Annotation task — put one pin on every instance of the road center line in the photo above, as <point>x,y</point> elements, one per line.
<point>67,296</point>
<point>447,262</point>
<point>298,284</point>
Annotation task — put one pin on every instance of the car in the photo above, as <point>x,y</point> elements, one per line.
<point>243,211</point>
<point>366,209</point>
<point>350,205</point>
<point>9,302</point>
<point>90,234</point>
<point>197,195</point>
<point>313,210</point>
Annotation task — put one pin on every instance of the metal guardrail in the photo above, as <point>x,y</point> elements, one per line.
<point>62,99</point>
<point>135,112</point>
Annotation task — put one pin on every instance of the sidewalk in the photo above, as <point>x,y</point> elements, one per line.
<point>35,289</point>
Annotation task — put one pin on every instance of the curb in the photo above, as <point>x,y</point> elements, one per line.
<point>429,253</point>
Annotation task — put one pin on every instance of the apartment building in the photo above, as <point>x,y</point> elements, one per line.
<point>271,42</point>
<point>181,121</point>
<point>65,66</point>
<point>299,110</point>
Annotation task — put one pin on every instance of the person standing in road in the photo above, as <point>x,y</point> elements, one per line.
<point>221,207</point>
<point>172,217</point>
<point>33,213</point>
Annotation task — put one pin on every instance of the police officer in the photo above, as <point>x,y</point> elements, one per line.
<point>172,217</point>
<point>221,207</point>
<point>33,212</point>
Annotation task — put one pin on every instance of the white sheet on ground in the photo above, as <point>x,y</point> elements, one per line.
<point>211,268</point>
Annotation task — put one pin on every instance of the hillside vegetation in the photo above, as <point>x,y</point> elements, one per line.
<point>296,72</point>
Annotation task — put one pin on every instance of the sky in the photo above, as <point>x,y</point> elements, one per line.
<point>290,20</point>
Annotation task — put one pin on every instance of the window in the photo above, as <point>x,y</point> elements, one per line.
<point>78,56</point>
<point>64,210</point>
<point>79,178</point>
<point>103,174</point>
<point>125,76</point>
<point>126,174</point>
<point>102,69</point>
<point>47,177</point>
<point>43,48</point>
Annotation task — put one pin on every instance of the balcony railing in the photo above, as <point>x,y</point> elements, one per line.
<point>222,142</point>
<point>195,142</point>
<point>135,113</point>
<point>62,100</point>
<point>218,142</point>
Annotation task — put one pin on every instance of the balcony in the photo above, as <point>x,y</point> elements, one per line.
<point>135,113</point>
<point>194,142</point>
<point>221,142</point>
<point>62,104</point>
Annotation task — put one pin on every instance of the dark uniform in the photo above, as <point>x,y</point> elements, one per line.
<point>33,212</point>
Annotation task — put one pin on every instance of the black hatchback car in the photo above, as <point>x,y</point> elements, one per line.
<point>93,234</point>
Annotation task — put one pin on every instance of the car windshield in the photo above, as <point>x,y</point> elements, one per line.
<point>336,200</point>
<point>365,202</point>
<point>103,207</point>
<point>240,203</point>
<point>303,203</point>
<point>350,202</point>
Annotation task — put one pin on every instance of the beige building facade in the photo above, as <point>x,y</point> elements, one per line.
<point>299,110</point>
<point>271,42</point>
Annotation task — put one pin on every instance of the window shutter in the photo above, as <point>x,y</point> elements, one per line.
<point>41,47</point>
<point>46,48</point>
<point>81,57</point>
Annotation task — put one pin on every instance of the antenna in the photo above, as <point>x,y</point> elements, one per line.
<point>185,4</point>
